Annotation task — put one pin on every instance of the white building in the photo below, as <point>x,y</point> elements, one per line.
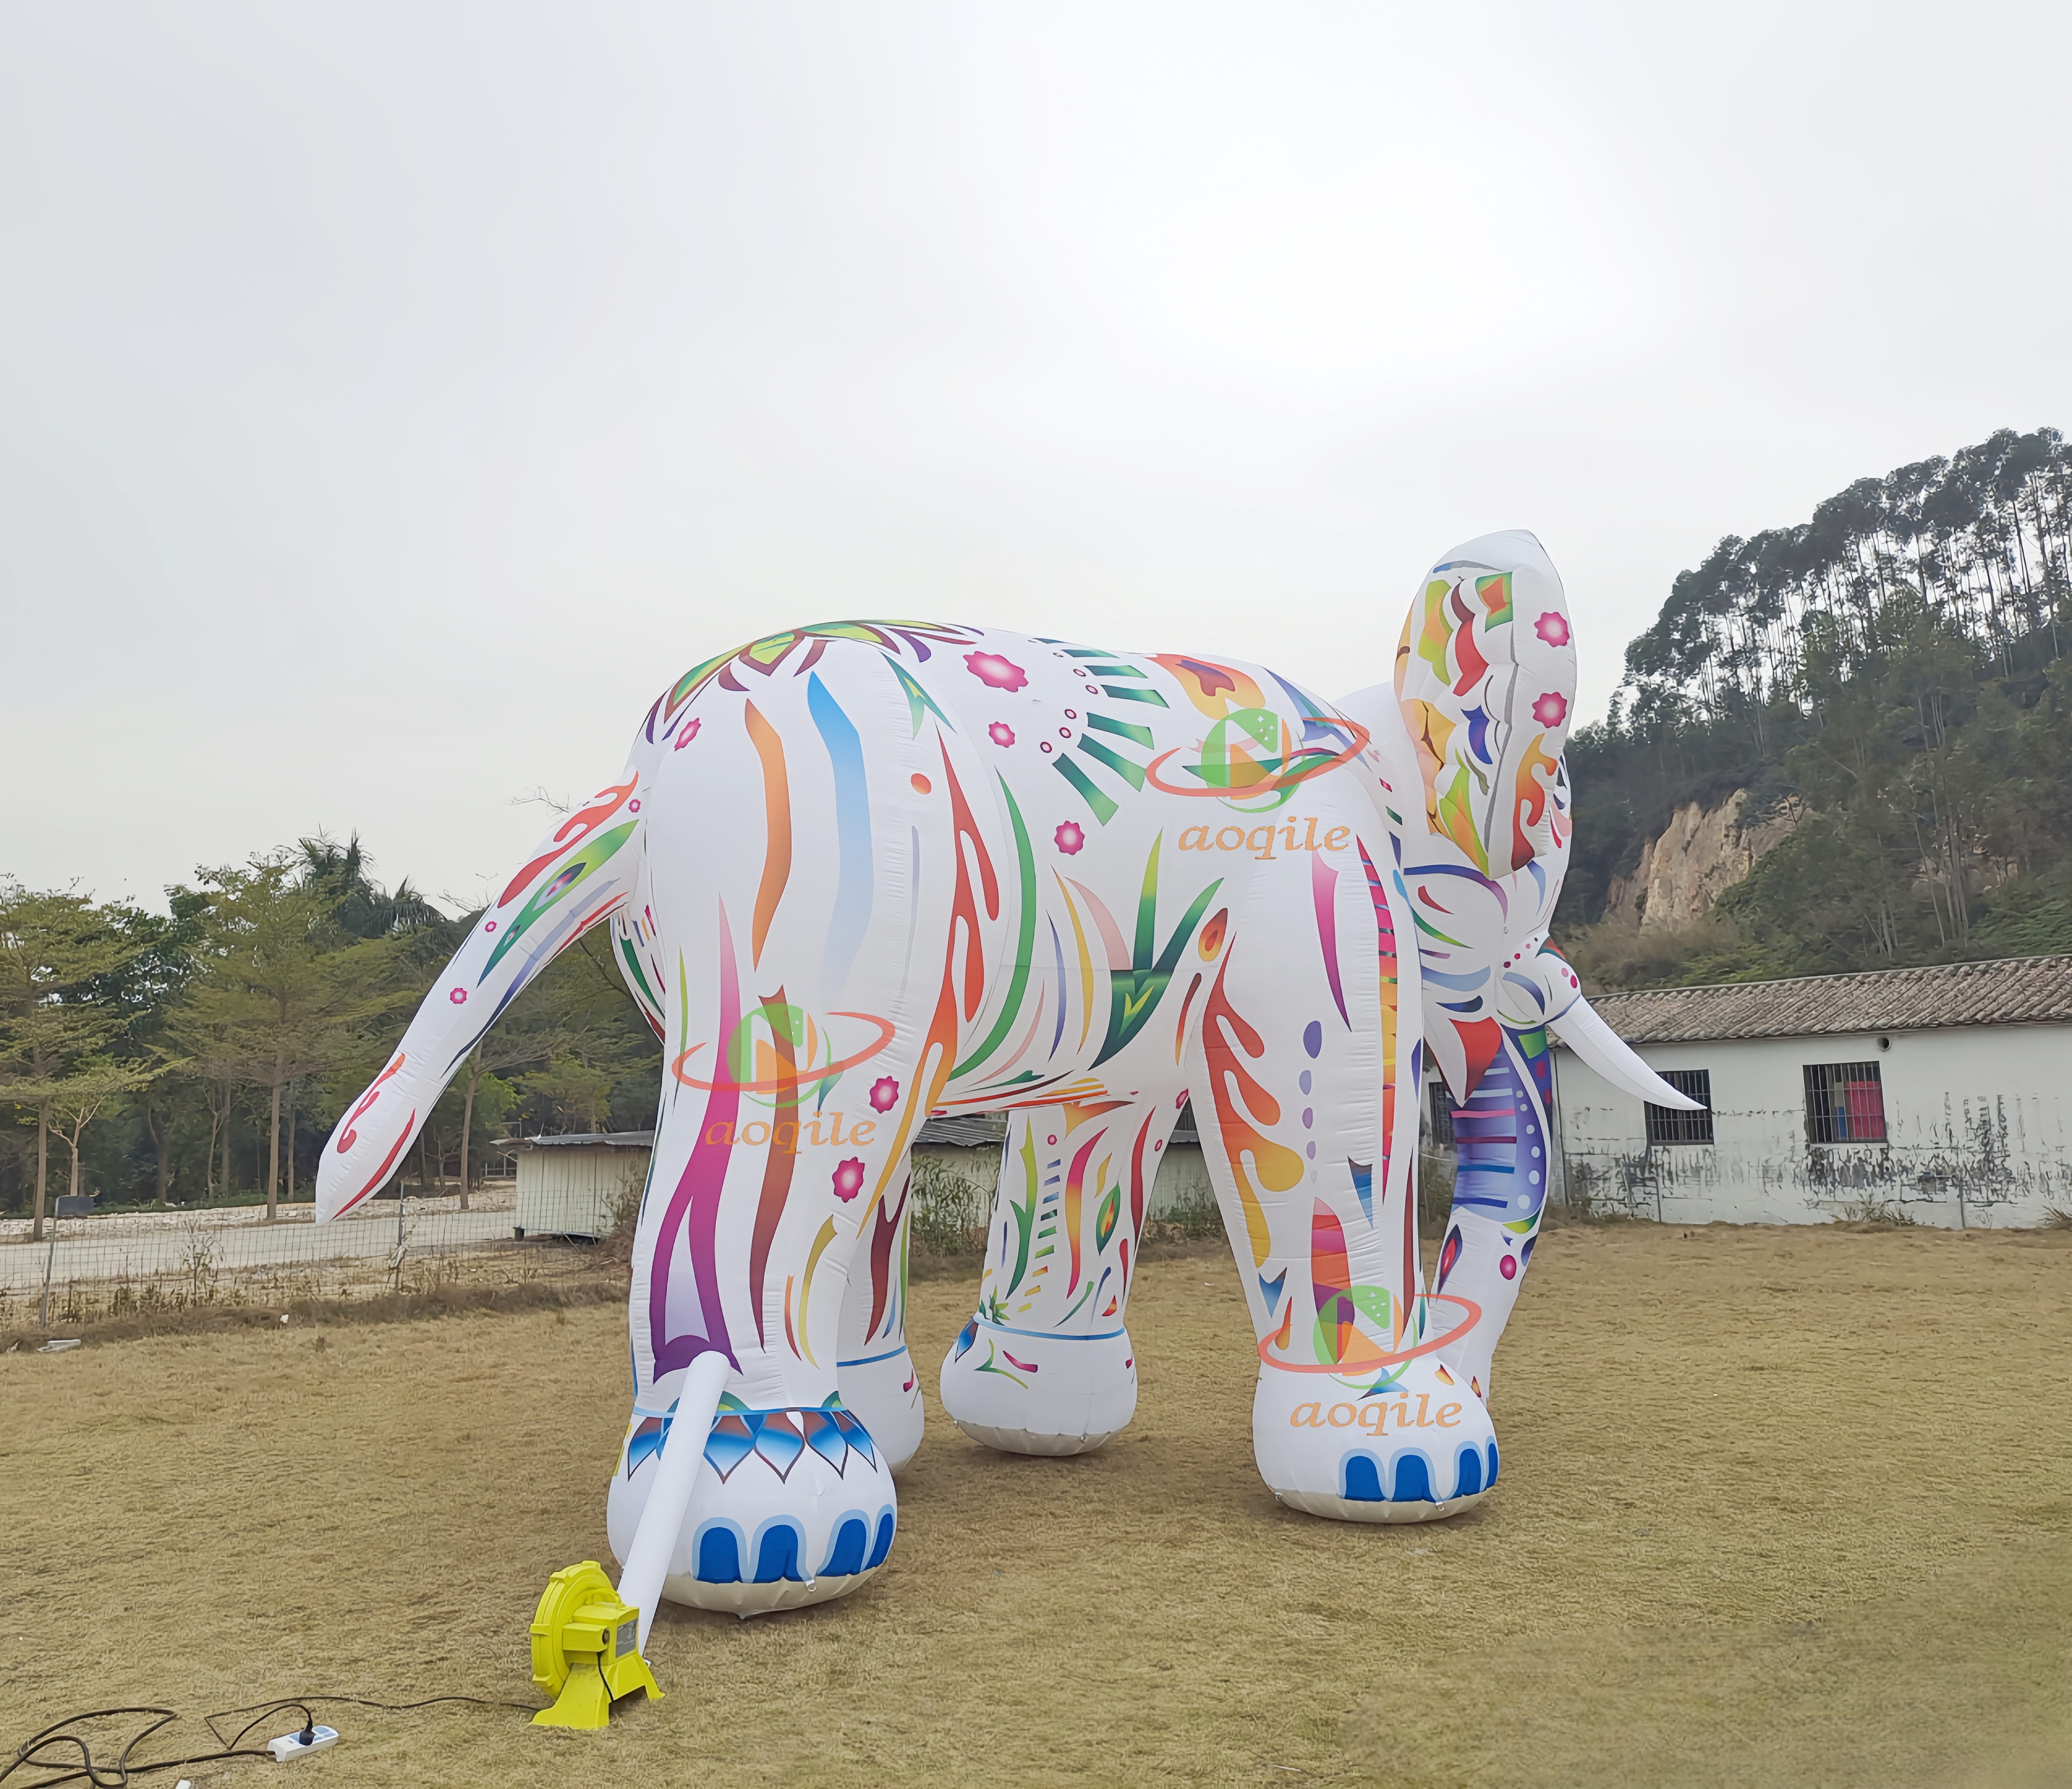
<point>1942,1092</point>
<point>578,1184</point>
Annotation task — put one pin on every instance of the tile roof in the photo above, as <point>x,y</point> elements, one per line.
<point>2025,990</point>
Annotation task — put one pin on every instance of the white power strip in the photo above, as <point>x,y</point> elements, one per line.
<point>290,1745</point>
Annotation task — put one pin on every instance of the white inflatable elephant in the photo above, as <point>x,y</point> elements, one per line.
<point>861,874</point>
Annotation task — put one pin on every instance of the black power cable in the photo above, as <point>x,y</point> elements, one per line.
<point>117,1776</point>
<point>32,1754</point>
<point>303,1705</point>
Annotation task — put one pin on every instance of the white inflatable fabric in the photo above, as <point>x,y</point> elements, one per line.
<point>862,873</point>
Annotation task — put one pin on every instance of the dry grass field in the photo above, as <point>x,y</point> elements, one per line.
<point>1778,1508</point>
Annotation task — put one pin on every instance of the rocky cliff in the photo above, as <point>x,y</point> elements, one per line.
<point>1701,854</point>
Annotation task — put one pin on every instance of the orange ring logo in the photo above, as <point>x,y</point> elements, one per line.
<point>797,1078</point>
<point>1272,785</point>
<point>1358,1369</point>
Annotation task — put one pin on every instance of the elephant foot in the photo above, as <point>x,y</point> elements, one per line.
<point>1024,1392</point>
<point>790,1507</point>
<point>884,1391</point>
<point>1418,1450</point>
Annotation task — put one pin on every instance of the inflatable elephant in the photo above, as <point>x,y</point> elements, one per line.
<point>858,874</point>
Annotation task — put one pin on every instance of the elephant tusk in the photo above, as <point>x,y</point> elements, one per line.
<point>1584,1032</point>
<point>675,1472</point>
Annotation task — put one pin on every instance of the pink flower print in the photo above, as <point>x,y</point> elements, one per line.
<point>1552,709</point>
<point>687,735</point>
<point>459,996</point>
<point>995,672</point>
<point>1000,733</point>
<point>1553,627</point>
<point>848,1179</point>
<point>884,1094</point>
<point>1069,839</point>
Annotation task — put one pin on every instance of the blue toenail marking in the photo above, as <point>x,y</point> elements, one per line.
<point>1470,1480</point>
<point>1492,1463</point>
<point>1413,1480</point>
<point>778,1556</point>
<point>846,1557</point>
<point>719,1558</point>
<point>884,1540</point>
<point>1362,1480</point>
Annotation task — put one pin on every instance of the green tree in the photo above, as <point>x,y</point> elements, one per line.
<point>57,950</point>
<point>148,988</point>
<point>283,991</point>
<point>603,1069</point>
<point>481,1082</point>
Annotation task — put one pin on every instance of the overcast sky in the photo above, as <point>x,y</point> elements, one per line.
<point>392,399</point>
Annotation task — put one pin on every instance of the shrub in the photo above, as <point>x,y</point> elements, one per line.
<point>949,1209</point>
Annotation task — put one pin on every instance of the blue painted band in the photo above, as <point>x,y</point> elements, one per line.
<point>1046,1335</point>
<point>872,1359</point>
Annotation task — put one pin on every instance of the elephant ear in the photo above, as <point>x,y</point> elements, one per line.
<point>1485,676</point>
<point>1485,679</point>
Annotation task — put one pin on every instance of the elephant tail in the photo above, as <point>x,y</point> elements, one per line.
<point>586,872</point>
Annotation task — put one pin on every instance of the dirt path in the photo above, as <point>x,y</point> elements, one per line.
<point>1777,1507</point>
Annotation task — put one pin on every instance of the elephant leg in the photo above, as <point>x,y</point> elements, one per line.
<point>794,1501</point>
<point>1306,1097</point>
<point>878,1378</point>
<point>1499,1191</point>
<point>1045,1364</point>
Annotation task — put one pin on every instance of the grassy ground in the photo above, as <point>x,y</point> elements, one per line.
<point>1778,1508</point>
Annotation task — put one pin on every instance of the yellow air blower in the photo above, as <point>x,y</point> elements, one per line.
<point>586,1649</point>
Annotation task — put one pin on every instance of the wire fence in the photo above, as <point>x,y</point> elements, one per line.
<point>89,1268</point>
<point>137,1263</point>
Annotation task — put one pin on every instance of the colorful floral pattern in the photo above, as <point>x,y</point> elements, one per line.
<point>1210,921</point>
<point>995,672</point>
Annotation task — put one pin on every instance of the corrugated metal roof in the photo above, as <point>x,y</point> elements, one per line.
<point>2022,990</point>
<point>608,1139</point>
<point>983,1130</point>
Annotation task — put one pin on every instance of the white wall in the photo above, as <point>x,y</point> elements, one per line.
<point>1978,1123</point>
<point>575,1189</point>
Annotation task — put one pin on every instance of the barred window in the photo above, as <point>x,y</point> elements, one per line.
<point>1441,1116</point>
<point>1668,1124</point>
<point>1844,1103</point>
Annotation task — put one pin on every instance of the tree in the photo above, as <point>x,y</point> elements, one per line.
<point>360,907</point>
<point>283,991</point>
<point>83,1095</point>
<point>56,949</point>
<point>506,1045</point>
<point>147,988</point>
<point>606,1052</point>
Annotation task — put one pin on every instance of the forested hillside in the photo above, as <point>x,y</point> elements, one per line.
<point>1897,665</point>
<point>202,1055</point>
